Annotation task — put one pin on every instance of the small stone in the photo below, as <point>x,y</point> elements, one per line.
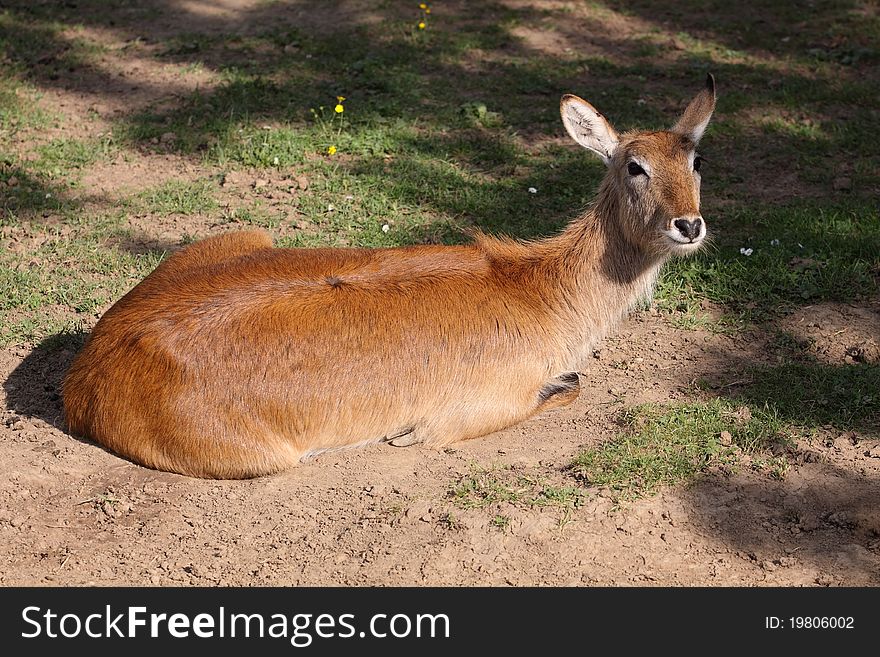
<point>302,182</point>
<point>726,438</point>
<point>12,182</point>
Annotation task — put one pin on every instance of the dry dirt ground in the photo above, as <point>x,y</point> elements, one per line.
<point>71,513</point>
<point>74,514</point>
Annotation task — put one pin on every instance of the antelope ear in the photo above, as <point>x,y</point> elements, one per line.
<point>693,122</point>
<point>587,127</point>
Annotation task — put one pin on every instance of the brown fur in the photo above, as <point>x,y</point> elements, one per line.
<point>235,359</point>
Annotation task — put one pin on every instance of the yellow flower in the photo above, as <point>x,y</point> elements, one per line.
<point>427,10</point>
<point>340,98</point>
<point>423,6</point>
<point>339,108</point>
<point>331,150</point>
<point>422,25</point>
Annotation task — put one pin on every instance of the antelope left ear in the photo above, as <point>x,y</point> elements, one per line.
<point>696,117</point>
<point>588,127</point>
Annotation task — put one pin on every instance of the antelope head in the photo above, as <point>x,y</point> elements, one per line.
<point>653,177</point>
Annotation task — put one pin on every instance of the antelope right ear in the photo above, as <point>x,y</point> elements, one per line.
<point>693,122</point>
<point>587,127</point>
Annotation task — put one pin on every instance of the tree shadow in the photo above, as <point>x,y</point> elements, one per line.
<point>812,31</point>
<point>812,394</point>
<point>818,511</point>
<point>31,196</point>
<point>824,515</point>
<point>278,60</point>
<point>800,390</point>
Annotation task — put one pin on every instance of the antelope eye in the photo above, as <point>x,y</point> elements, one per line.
<point>698,162</point>
<point>635,170</point>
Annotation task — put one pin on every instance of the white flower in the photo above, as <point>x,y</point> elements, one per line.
<point>532,190</point>
<point>385,228</point>
<point>276,161</point>
<point>746,252</point>
<point>774,242</point>
<point>330,207</point>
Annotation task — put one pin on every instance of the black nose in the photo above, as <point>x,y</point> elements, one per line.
<point>690,228</point>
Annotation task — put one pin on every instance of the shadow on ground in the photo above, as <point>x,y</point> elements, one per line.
<point>822,516</point>
<point>33,389</point>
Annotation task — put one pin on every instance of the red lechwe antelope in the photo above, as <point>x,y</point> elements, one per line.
<point>236,359</point>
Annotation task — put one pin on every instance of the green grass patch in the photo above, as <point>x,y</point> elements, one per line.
<point>485,487</point>
<point>60,157</point>
<point>798,255</point>
<point>18,108</point>
<point>671,445</point>
<point>811,395</point>
<point>75,277</point>
<point>254,215</point>
<point>179,197</point>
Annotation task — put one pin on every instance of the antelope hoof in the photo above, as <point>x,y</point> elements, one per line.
<point>405,441</point>
<point>404,438</point>
<point>559,391</point>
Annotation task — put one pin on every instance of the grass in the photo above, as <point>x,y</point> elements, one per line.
<point>62,157</point>
<point>671,445</point>
<point>482,487</point>
<point>179,197</point>
<point>809,395</point>
<point>804,253</point>
<point>667,446</point>
<point>68,278</point>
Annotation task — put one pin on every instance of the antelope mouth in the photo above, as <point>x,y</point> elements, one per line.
<point>678,243</point>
